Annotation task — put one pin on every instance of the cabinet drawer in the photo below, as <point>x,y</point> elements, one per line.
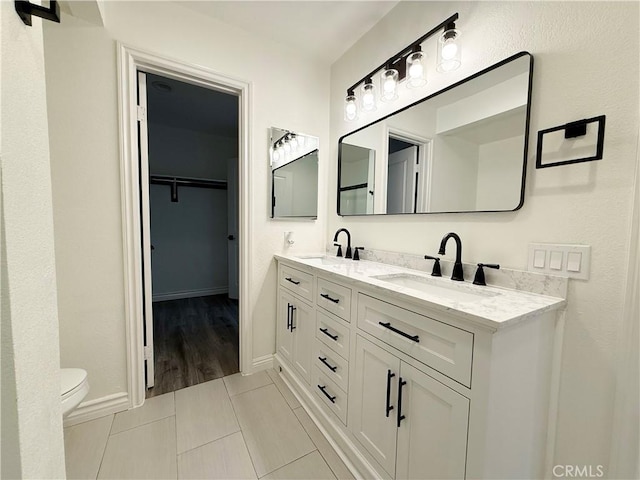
<point>443,347</point>
<point>297,281</point>
<point>331,364</point>
<point>333,333</point>
<point>334,298</point>
<point>332,395</point>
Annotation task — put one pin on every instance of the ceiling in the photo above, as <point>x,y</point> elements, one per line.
<point>182,105</point>
<point>326,29</point>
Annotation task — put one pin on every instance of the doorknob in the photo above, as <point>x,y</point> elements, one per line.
<point>231,237</point>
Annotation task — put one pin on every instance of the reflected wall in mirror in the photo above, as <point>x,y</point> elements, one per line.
<point>294,174</point>
<point>462,149</point>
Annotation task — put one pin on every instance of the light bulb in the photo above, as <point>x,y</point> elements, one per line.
<point>368,97</point>
<point>301,141</point>
<point>287,147</point>
<point>350,108</point>
<point>449,50</point>
<point>294,144</point>
<point>389,81</point>
<point>276,155</point>
<point>415,68</point>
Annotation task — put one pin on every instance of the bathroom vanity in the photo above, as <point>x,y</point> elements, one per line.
<point>412,376</point>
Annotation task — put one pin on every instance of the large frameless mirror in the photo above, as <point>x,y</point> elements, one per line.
<point>462,149</point>
<point>294,174</point>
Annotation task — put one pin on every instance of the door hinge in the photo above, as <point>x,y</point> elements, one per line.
<point>142,113</point>
<point>148,353</point>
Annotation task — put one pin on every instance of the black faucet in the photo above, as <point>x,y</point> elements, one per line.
<point>335,239</point>
<point>457,266</point>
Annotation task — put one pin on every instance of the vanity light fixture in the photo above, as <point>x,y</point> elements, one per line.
<point>416,68</point>
<point>368,96</point>
<point>287,145</point>
<point>449,49</point>
<point>350,107</point>
<point>409,63</point>
<point>389,84</point>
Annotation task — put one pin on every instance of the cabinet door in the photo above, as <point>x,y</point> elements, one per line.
<point>432,438</point>
<point>284,336</point>
<point>302,325</point>
<point>372,415</point>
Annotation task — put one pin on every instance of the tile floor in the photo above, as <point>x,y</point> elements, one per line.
<point>231,428</point>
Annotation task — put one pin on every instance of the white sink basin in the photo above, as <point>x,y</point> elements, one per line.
<point>438,288</point>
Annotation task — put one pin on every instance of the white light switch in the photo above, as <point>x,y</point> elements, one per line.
<point>564,260</point>
<point>539,257</point>
<point>555,262</point>
<point>573,261</point>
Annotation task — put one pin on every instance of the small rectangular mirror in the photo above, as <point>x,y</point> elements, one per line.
<point>294,174</point>
<point>462,149</point>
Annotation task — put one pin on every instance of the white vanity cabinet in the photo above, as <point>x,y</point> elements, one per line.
<point>413,425</point>
<point>407,387</point>
<point>295,325</point>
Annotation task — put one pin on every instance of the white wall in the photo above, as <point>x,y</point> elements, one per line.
<point>31,418</point>
<point>189,153</point>
<point>289,89</point>
<point>189,236</point>
<point>575,76</point>
<point>190,242</point>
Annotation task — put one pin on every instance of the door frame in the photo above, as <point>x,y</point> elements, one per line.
<point>130,60</point>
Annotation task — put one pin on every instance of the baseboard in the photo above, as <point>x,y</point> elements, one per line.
<point>99,407</point>
<point>202,292</point>
<point>262,363</point>
<point>355,461</point>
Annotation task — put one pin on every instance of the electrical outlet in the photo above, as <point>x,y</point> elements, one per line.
<point>563,260</point>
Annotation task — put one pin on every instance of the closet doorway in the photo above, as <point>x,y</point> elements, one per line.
<point>189,150</point>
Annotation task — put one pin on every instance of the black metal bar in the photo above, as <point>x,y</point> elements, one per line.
<point>326,332</point>
<point>188,182</point>
<point>389,377</point>
<point>387,325</point>
<point>288,316</point>
<point>405,50</point>
<point>288,279</point>
<point>400,417</point>
<point>354,187</point>
<point>293,309</point>
<point>26,9</point>
<point>334,300</point>
<point>322,389</point>
<point>329,366</point>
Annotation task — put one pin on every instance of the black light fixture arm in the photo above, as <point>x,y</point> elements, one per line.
<point>449,23</point>
<point>26,9</point>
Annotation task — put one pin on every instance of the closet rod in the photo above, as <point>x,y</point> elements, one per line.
<point>174,182</point>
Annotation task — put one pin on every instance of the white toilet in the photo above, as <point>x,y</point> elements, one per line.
<point>74,387</point>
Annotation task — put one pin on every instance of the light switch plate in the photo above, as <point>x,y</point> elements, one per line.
<point>564,260</point>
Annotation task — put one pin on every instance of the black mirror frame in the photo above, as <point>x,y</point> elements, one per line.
<point>446,89</point>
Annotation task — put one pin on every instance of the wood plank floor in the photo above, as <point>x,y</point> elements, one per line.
<point>195,340</point>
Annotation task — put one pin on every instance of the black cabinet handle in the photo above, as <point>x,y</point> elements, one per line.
<point>293,309</point>
<point>400,416</point>
<point>415,338</point>
<point>324,360</point>
<point>288,316</point>
<point>326,332</point>
<point>323,390</point>
<point>289,279</point>
<point>334,300</point>
<point>389,377</point>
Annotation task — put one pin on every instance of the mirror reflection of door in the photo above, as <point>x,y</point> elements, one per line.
<point>401,177</point>
<point>356,179</point>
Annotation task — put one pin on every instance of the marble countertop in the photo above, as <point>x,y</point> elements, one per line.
<point>490,306</point>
